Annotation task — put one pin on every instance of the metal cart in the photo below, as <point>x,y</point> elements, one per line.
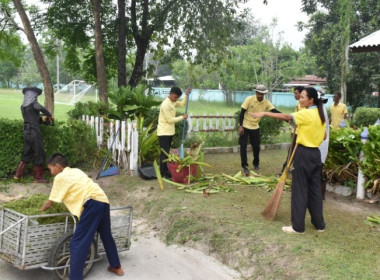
<point>28,245</point>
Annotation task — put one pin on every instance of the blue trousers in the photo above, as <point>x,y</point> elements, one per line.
<point>95,217</point>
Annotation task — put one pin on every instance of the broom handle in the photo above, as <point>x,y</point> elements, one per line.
<point>291,157</point>
<point>291,148</point>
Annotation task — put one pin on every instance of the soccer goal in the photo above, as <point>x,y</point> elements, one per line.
<point>76,91</point>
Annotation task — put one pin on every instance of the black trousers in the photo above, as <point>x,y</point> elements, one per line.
<point>306,188</point>
<point>33,148</point>
<point>254,139</point>
<point>165,144</point>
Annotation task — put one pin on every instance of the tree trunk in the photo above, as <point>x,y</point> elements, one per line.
<point>122,48</point>
<point>100,63</point>
<point>138,72</point>
<point>38,56</point>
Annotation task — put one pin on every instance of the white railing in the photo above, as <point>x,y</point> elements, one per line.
<point>211,123</point>
<point>125,146</point>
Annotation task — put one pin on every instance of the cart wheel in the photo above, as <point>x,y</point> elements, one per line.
<point>60,256</point>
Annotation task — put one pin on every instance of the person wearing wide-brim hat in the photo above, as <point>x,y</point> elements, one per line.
<point>33,145</point>
<point>249,126</point>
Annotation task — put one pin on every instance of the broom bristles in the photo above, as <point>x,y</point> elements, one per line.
<point>271,209</point>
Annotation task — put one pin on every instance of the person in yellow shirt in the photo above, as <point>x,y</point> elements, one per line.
<point>297,94</point>
<point>166,123</point>
<point>249,126</point>
<point>88,202</point>
<point>306,175</point>
<point>338,111</point>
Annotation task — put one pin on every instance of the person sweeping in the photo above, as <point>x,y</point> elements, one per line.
<point>306,175</point>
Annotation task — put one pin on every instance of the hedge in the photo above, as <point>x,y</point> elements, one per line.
<point>366,116</point>
<point>74,139</point>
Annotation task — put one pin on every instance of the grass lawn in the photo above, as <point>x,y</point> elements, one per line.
<point>230,226</point>
<point>11,100</point>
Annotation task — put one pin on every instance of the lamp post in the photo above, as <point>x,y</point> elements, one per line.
<point>360,194</point>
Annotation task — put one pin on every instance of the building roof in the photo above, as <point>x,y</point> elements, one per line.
<point>307,80</point>
<point>369,43</point>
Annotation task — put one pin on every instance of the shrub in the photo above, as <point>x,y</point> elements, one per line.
<point>74,139</point>
<point>366,116</point>
<point>89,108</point>
<point>371,163</point>
<point>341,164</point>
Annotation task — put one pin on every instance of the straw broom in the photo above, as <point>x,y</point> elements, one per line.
<point>271,209</point>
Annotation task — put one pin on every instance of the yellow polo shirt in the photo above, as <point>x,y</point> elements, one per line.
<point>252,105</point>
<point>167,118</point>
<point>73,187</point>
<point>337,114</point>
<point>311,131</point>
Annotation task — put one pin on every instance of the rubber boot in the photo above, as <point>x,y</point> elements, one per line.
<point>38,174</point>
<point>20,170</point>
<point>323,189</point>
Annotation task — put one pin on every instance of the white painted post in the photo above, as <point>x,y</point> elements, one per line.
<point>135,147</point>
<point>189,124</point>
<point>360,193</point>
<point>204,122</point>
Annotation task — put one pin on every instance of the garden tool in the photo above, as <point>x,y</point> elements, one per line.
<point>181,152</point>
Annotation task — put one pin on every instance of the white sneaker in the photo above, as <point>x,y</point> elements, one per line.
<point>320,230</point>
<point>289,229</point>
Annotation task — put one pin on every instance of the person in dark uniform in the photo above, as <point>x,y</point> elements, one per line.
<point>33,146</point>
<point>306,176</point>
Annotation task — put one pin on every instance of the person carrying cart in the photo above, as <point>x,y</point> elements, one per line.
<point>88,202</point>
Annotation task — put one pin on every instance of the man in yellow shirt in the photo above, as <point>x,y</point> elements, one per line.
<point>338,111</point>
<point>166,123</point>
<point>249,126</point>
<point>88,202</point>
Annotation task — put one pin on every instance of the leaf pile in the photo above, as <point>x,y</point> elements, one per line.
<point>216,183</point>
<point>32,206</point>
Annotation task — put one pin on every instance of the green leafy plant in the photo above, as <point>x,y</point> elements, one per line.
<point>193,156</point>
<point>370,166</point>
<point>149,148</point>
<point>131,102</point>
<point>342,160</point>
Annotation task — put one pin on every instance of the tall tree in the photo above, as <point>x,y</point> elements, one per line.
<point>38,56</point>
<point>332,24</point>
<point>194,29</point>
<point>122,45</point>
<point>100,63</point>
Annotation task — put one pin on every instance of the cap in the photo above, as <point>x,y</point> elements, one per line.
<point>261,89</point>
<point>38,90</point>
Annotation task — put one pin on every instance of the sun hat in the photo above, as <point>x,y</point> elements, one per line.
<point>38,90</point>
<point>261,89</point>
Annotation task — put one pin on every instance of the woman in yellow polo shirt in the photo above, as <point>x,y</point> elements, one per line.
<point>306,175</point>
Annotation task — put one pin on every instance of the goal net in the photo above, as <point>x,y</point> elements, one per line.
<point>76,91</point>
